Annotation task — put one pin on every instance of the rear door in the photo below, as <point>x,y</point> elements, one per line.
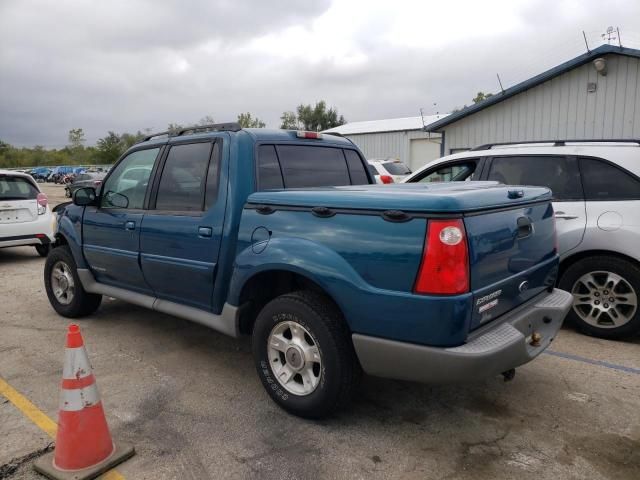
<point>111,231</point>
<point>182,230</point>
<point>561,175</point>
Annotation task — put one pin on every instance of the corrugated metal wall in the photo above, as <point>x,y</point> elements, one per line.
<point>395,145</point>
<point>561,108</point>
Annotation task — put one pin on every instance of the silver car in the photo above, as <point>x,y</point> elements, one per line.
<point>596,189</point>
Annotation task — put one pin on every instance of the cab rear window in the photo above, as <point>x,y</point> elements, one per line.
<point>300,166</point>
<point>16,188</point>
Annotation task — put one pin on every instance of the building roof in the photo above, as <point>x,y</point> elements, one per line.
<point>388,125</point>
<point>532,82</point>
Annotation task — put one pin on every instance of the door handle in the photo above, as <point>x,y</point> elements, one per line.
<point>206,232</point>
<point>130,225</point>
<point>565,216</point>
<point>524,227</point>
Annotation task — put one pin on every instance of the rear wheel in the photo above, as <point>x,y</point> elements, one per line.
<point>303,354</point>
<point>65,292</point>
<point>43,250</point>
<point>67,192</point>
<point>606,291</point>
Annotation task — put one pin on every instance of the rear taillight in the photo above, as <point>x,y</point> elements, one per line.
<point>97,183</point>
<point>42,203</point>
<point>386,179</point>
<point>305,134</point>
<point>444,269</point>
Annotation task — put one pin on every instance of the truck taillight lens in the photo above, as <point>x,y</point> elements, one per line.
<point>444,269</point>
<point>386,178</point>
<point>42,203</point>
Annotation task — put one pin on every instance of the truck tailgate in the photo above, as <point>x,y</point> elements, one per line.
<point>512,256</point>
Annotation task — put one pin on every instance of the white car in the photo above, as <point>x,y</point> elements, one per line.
<point>388,170</point>
<point>25,216</point>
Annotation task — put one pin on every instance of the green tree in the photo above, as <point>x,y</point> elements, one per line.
<point>247,121</point>
<point>76,138</point>
<point>289,121</point>
<point>206,120</point>
<point>174,127</point>
<point>316,118</point>
<point>110,148</point>
<point>480,96</point>
<point>130,139</point>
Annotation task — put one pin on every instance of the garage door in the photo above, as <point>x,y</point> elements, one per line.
<point>422,152</point>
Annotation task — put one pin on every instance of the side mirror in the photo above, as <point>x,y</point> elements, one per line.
<point>84,196</point>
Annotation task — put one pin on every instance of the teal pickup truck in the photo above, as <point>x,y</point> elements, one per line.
<point>283,236</point>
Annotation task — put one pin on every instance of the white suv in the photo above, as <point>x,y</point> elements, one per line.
<point>25,216</point>
<point>596,191</point>
<point>388,170</point>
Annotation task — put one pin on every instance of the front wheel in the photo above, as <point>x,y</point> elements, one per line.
<point>303,354</point>
<point>65,292</point>
<point>605,293</point>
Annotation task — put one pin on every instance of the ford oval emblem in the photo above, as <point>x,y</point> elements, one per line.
<point>523,286</point>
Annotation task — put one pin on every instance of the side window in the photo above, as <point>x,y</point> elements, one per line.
<point>183,178</point>
<point>557,173</point>
<point>127,184</point>
<point>458,172</point>
<point>213,176</point>
<point>356,168</point>
<point>603,181</point>
<point>304,166</point>
<point>269,175</point>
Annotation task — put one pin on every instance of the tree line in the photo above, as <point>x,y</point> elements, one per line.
<point>110,147</point>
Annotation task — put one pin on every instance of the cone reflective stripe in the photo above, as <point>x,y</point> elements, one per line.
<point>84,448</point>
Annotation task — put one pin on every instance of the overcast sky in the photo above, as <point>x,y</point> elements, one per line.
<point>129,65</point>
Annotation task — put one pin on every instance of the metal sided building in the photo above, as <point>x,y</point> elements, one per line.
<point>593,96</point>
<point>401,138</point>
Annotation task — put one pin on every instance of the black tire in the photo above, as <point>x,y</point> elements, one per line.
<point>82,303</point>
<point>618,266</point>
<point>43,250</point>
<point>67,192</point>
<point>340,372</point>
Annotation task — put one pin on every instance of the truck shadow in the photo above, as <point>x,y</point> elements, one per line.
<point>14,255</point>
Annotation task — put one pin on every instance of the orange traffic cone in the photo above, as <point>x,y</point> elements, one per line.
<point>84,448</point>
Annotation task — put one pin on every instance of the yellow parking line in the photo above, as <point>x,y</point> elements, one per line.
<point>38,417</point>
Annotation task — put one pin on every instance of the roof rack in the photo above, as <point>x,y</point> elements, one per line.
<point>556,143</point>
<point>216,127</point>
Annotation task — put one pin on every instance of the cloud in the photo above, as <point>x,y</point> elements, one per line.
<point>125,66</point>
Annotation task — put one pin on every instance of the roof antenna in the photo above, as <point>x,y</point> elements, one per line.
<point>619,41</point>
<point>609,35</point>
<point>585,41</point>
<point>500,82</point>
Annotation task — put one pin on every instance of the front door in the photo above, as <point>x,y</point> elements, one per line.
<point>182,230</point>
<point>561,175</point>
<point>111,231</point>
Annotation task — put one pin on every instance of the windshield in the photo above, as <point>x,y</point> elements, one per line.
<point>16,188</point>
<point>396,168</point>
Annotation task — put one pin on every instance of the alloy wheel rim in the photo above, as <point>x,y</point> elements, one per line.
<point>62,283</point>
<point>295,358</point>
<point>604,299</point>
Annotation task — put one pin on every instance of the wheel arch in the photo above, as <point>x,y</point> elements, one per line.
<point>578,256</point>
<point>265,285</point>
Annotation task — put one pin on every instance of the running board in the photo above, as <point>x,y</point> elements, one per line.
<point>227,322</point>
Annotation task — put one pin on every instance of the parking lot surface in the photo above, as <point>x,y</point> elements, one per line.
<point>190,401</point>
